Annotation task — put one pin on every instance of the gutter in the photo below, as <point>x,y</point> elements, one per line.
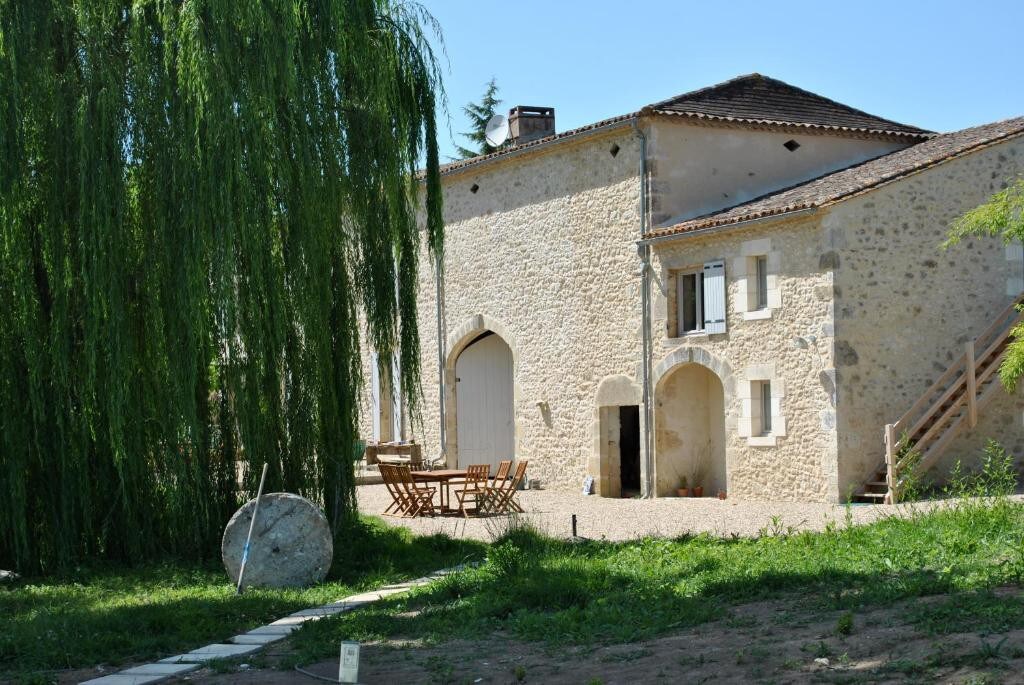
<point>654,240</point>
<point>441,352</point>
<point>644,252</point>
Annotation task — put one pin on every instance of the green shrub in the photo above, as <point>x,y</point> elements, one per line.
<point>996,477</point>
<point>844,626</point>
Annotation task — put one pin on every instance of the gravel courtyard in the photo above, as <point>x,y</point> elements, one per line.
<point>622,519</point>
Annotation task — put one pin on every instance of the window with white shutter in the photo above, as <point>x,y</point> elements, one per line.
<point>714,297</point>
<point>689,302</point>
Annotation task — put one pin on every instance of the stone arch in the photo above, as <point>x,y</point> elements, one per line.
<point>613,392</point>
<point>695,355</point>
<point>458,340</point>
<point>469,330</point>
<point>692,390</point>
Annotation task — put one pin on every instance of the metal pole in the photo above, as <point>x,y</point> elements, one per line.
<point>252,524</point>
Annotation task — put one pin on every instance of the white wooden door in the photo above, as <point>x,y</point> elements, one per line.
<point>484,413</point>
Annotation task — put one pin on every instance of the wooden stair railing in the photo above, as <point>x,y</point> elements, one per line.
<point>949,406</point>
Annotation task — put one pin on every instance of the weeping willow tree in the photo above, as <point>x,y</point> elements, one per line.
<point>1002,217</point>
<point>201,203</point>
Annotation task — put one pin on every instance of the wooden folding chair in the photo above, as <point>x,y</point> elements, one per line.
<point>474,487</point>
<point>400,501</point>
<point>504,499</point>
<point>504,467</point>
<point>419,497</point>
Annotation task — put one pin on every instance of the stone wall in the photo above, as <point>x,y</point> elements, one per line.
<point>699,169</point>
<point>540,249</point>
<point>799,462</point>
<point>543,253</point>
<point>905,307</point>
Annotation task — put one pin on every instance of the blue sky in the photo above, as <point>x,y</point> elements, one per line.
<point>939,65</point>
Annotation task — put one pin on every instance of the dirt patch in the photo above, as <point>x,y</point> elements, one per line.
<point>779,641</point>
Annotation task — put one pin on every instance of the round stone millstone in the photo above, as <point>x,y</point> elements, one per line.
<point>291,543</point>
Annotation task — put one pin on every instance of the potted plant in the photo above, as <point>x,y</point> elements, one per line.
<point>701,466</point>
<point>721,494</point>
<point>683,490</point>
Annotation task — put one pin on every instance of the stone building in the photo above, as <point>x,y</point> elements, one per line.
<point>742,285</point>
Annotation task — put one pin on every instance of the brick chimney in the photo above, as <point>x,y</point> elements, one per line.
<point>530,123</point>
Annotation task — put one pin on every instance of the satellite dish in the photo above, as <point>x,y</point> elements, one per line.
<point>497,130</point>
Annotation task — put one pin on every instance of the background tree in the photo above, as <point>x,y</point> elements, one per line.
<point>1001,217</point>
<point>479,113</point>
<point>195,201</point>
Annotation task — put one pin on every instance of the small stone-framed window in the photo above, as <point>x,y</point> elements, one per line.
<point>762,394</point>
<point>757,276</point>
<point>760,282</point>
<point>697,300</point>
<point>761,408</point>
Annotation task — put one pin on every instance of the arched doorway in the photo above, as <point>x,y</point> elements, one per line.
<point>485,418</point>
<point>615,462</point>
<point>689,434</point>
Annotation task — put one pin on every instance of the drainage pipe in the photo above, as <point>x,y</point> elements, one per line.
<point>439,292</point>
<point>644,252</point>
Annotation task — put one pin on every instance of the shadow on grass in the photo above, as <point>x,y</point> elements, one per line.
<point>369,548</point>
<point>539,589</point>
<point>111,615</point>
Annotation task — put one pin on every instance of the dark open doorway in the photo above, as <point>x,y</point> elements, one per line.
<point>629,450</point>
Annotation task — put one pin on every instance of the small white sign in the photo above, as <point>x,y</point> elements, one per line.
<point>588,485</point>
<point>348,664</point>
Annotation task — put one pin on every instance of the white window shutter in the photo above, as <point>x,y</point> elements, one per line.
<point>375,395</point>
<point>396,405</point>
<point>714,297</point>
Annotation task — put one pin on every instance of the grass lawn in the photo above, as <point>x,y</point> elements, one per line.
<point>559,594</point>
<point>113,615</point>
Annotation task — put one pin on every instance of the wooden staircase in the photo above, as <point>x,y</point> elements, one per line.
<point>944,411</point>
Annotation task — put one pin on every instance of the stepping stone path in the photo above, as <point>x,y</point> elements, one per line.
<point>256,639</point>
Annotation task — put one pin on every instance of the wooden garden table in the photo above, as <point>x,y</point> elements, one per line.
<point>443,478</point>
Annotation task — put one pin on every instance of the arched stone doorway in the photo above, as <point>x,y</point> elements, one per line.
<point>617,429</point>
<point>689,436</point>
<point>480,394</point>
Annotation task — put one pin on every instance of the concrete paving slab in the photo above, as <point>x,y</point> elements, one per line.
<point>362,599</point>
<point>256,639</point>
<point>160,669</point>
<point>350,603</point>
<point>296,620</point>
<point>120,679</point>
<point>210,652</point>
<point>272,630</point>
<point>329,610</point>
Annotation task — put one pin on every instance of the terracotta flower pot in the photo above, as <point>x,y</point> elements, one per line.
<point>698,491</point>
<point>683,492</point>
<point>721,494</point>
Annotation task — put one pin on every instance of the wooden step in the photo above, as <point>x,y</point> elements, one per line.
<point>943,411</point>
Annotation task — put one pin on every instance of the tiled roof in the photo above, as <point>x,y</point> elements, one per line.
<point>472,161</point>
<point>752,100</point>
<point>839,185</point>
<point>757,99</point>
